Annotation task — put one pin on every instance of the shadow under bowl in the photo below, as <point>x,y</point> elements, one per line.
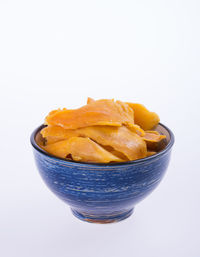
<point>102,193</point>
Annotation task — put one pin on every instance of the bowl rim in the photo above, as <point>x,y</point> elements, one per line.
<point>142,160</point>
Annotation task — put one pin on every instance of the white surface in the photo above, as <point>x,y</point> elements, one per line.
<point>55,54</point>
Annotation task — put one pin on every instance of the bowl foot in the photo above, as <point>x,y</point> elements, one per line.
<point>102,219</point>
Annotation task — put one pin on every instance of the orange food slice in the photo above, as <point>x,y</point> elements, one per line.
<point>90,100</point>
<point>54,134</point>
<point>149,153</point>
<point>154,141</point>
<point>153,136</point>
<point>121,139</point>
<point>135,128</point>
<point>81,149</point>
<point>143,117</point>
<point>100,112</point>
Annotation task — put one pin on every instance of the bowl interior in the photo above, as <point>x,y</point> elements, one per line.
<point>164,131</point>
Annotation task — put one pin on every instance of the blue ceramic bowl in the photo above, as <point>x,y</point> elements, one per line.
<point>102,193</point>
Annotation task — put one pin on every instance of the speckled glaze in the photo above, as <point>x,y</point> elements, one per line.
<point>102,193</point>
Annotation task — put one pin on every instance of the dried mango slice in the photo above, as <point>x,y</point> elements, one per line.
<point>150,153</point>
<point>120,155</point>
<point>143,117</point>
<point>81,149</point>
<point>153,136</point>
<point>154,141</point>
<point>135,128</point>
<point>90,100</point>
<point>54,134</point>
<point>59,149</point>
<point>100,112</point>
<point>121,139</point>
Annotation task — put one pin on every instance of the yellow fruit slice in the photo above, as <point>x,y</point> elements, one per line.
<point>143,117</point>
<point>101,112</point>
<point>154,141</point>
<point>81,149</point>
<point>121,139</point>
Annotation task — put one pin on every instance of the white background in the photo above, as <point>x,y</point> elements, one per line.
<point>56,53</point>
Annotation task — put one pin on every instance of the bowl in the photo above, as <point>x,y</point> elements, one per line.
<point>102,193</point>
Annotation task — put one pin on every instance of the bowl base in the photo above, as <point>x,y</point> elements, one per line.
<point>102,219</point>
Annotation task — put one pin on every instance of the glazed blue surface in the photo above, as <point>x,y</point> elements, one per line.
<point>101,193</point>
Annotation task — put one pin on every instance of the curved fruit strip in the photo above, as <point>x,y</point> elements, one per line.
<point>53,134</point>
<point>143,117</point>
<point>149,153</point>
<point>81,149</point>
<point>121,139</point>
<point>154,141</point>
<point>101,112</point>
